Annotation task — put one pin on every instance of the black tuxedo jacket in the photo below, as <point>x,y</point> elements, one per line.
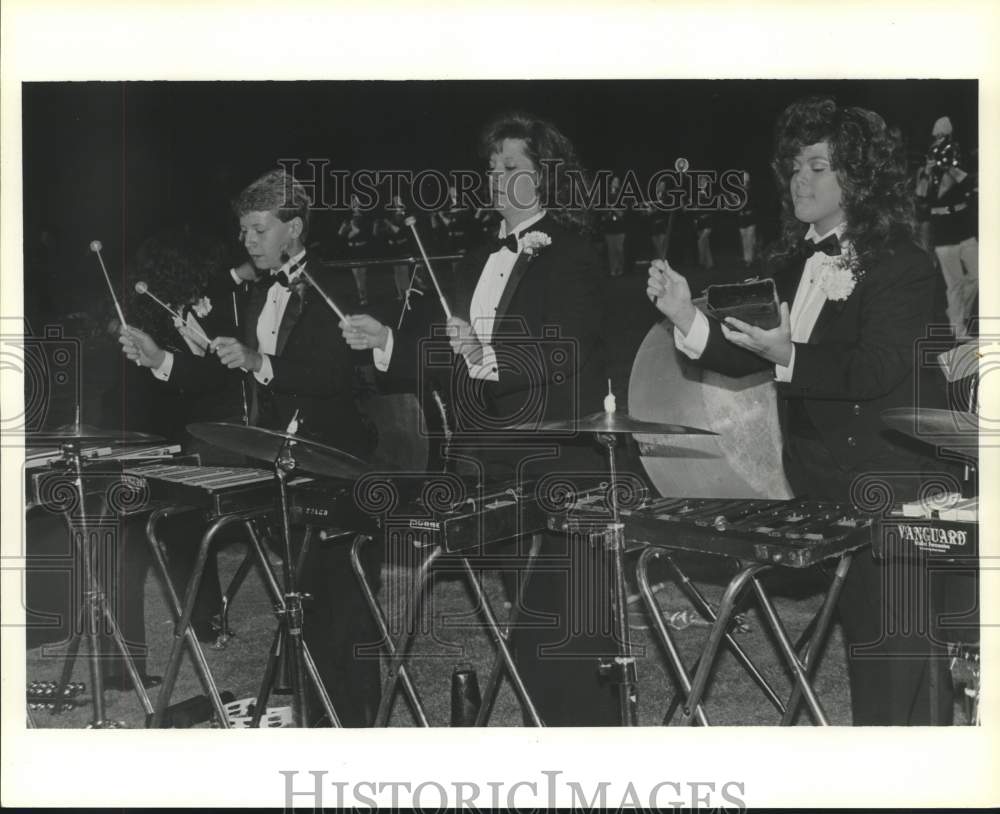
<point>861,358</point>
<point>548,340</point>
<point>312,365</point>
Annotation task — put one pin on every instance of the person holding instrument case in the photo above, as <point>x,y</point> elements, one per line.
<point>856,294</point>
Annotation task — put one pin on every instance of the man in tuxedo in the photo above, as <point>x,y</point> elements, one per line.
<point>862,294</point>
<point>297,366</point>
<point>526,339</point>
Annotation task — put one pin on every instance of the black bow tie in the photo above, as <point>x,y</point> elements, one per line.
<point>495,244</point>
<point>829,245</point>
<point>283,278</point>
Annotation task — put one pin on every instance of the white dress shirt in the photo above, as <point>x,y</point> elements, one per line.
<point>485,301</point>
<point>267,323</point>
<point>808,302</point>
<point>270,318</point>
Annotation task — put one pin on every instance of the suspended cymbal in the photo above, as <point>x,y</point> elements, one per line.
<point>617,423</point>
<point>266,445</point>
<point>951,429</point>
<point>85,432</point>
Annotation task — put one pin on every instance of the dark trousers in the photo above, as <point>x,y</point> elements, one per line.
<point>563,632</point>
<point>898,670</point>
<point>339,630</point>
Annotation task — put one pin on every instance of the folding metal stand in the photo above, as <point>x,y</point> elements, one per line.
<point>747,576</point>
<point>398,652</point>
<point>184,633</point>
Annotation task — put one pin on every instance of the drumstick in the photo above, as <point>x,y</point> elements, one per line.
<point>95,247</point>
<point>324,295</point>
<point>142,288</point>
<point>412,223</point>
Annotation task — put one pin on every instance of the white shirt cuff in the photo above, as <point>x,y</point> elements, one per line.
<point>693,345</point>
<point>784,373</point>
<point>487,369</point>
<point>166,367</point>
<point>381,357</point>
<point>265,374</point>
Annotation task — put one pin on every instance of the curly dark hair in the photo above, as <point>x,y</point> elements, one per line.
<point>555,159</point>
<point>871,170</point>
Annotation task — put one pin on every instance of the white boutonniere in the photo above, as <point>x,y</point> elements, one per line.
<point>533,242</point>
<point>837,279</point>
<point>202,308</point>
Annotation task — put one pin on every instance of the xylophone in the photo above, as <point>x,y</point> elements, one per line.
<point>794,533</point>
<point>226,490</point>
<point>222,490</point>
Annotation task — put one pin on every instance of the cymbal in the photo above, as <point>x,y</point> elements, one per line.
<point>951,429</point>
<point>68,433</point>
<point>256,442</point>
<point>616,423</point>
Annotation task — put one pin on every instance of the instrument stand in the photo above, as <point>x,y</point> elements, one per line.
<point>622,669</point>
<point>748,576</point>
<point>288,641</point>
<point>93,605</point>
<point>183,632</point>
<point>398,652</point>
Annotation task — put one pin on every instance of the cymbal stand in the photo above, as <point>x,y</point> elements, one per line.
<point>93,604</point>
<point>288,637</point>
<point>621,669</point>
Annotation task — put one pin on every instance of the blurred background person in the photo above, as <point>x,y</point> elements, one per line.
<point>951,197</point>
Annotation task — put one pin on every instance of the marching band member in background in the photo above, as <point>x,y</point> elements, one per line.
<point>297,364</point>
<point>861,294</point>
<point>953,226</point>
<point>537,273</point>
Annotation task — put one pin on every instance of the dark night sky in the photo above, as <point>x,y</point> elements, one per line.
<point>121,160</point>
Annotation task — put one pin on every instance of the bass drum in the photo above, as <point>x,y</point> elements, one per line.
<point>742,461</point>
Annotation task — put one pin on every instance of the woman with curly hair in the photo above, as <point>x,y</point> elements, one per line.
<point>862,294</point>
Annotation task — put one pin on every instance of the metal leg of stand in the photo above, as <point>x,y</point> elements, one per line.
<point>398,659</point>
<point>801,679</point>
<point>492,688</point>
<point>159,558</point>
<point>705,609</point>
<point>409,688</point>
<point>85,555</point>
<point>669,646</point>
<point>483,602</point>
<point>628,701</point>
<point>72,651</point>
<point>280,643</point>
<point>716,635</point>
<point>820,627</point>
<point>234,586</point>
<point>183,632</point>
<point>270,671</point>
<point>133,672</point>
